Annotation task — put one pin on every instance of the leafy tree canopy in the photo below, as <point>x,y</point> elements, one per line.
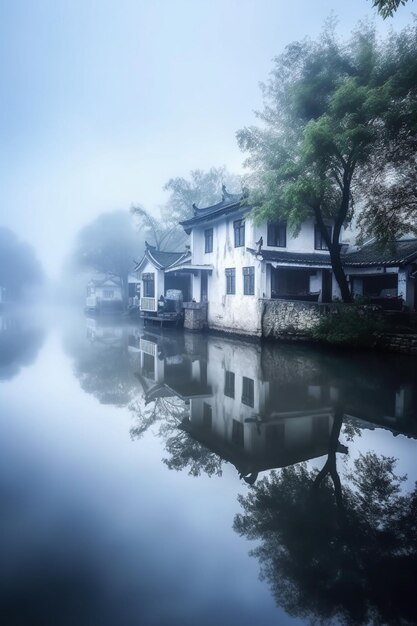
<point>387,8</point>
<point>337,116</point>
<point>202,188</point>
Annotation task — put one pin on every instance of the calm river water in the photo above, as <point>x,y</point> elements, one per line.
<point>179,479</point>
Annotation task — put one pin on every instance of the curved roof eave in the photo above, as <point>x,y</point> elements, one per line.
<point>210,216</point>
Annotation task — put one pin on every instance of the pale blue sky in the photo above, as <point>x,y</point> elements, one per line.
<point>102,101</point>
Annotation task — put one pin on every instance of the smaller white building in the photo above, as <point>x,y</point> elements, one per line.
<point>156,278</point>
<point>104,293</point>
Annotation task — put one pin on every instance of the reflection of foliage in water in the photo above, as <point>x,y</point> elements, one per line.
<point>168,414</point>
<point>357,569</point>
<point>106,373</point>
<point>186,452</point>
<point>19,346</point>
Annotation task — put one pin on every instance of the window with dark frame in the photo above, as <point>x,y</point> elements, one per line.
<point>207,415</point>
<point>239,230</point>
<point>148,285</point>
<point>248,391</point>
<point>229,384</point>
<point>230,280</point>
<point>238,434</point>
<point>319,242</point>
<point>208,240</point>
<point>249,281</point>
<point>277,234</point>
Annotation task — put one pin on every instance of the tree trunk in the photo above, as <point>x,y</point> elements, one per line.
<point>334,246</point>
<point>339,273</point>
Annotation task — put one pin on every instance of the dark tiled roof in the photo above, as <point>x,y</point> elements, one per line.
<point>160,258</point>
<point>165,259</point>
<point>394,253</point>
<point>228,204</point>
<point>278,256</point>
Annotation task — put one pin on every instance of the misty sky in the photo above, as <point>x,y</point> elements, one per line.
<point>102,102</point>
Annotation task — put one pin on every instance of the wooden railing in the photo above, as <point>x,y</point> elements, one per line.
<point>148,304</point>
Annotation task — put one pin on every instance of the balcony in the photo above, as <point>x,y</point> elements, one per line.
<point>148,305</point>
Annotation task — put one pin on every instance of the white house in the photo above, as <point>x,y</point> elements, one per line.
<point>156,279</point>
<point>104,292</point>
<point>234,265</point>
<point>247,263</point>
<point>386,276</point>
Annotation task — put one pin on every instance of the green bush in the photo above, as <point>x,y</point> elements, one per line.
<point>349,325</point>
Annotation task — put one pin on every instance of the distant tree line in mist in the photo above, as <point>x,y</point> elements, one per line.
<point>21,272</point>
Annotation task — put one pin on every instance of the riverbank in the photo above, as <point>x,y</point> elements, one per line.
<point>341,325</point>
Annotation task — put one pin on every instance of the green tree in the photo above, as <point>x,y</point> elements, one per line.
<point>332,110</point>
<point>387,8</point>
<point>110,245</point>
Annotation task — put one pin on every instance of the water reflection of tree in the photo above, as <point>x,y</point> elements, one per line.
<point>167,417</point>
<point>106,373</point>
<point>357,568</point>
<point>19,346</point>
<point>103,364</point>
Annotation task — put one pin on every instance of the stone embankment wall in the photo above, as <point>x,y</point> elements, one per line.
<point>406,343</point>
<point>291,320</point>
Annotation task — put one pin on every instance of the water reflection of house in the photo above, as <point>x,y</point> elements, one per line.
<point>169,368</point>
<point>391,406</point>
<point>262,407</point>
<point>231,410</point>
<point>109,334</point>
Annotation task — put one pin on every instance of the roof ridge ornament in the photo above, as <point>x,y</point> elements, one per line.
<point>195,208</point>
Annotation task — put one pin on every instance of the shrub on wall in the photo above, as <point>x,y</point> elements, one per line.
<point>350,326</point>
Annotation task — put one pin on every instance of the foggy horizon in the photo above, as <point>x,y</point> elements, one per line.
<point>103,104</point>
